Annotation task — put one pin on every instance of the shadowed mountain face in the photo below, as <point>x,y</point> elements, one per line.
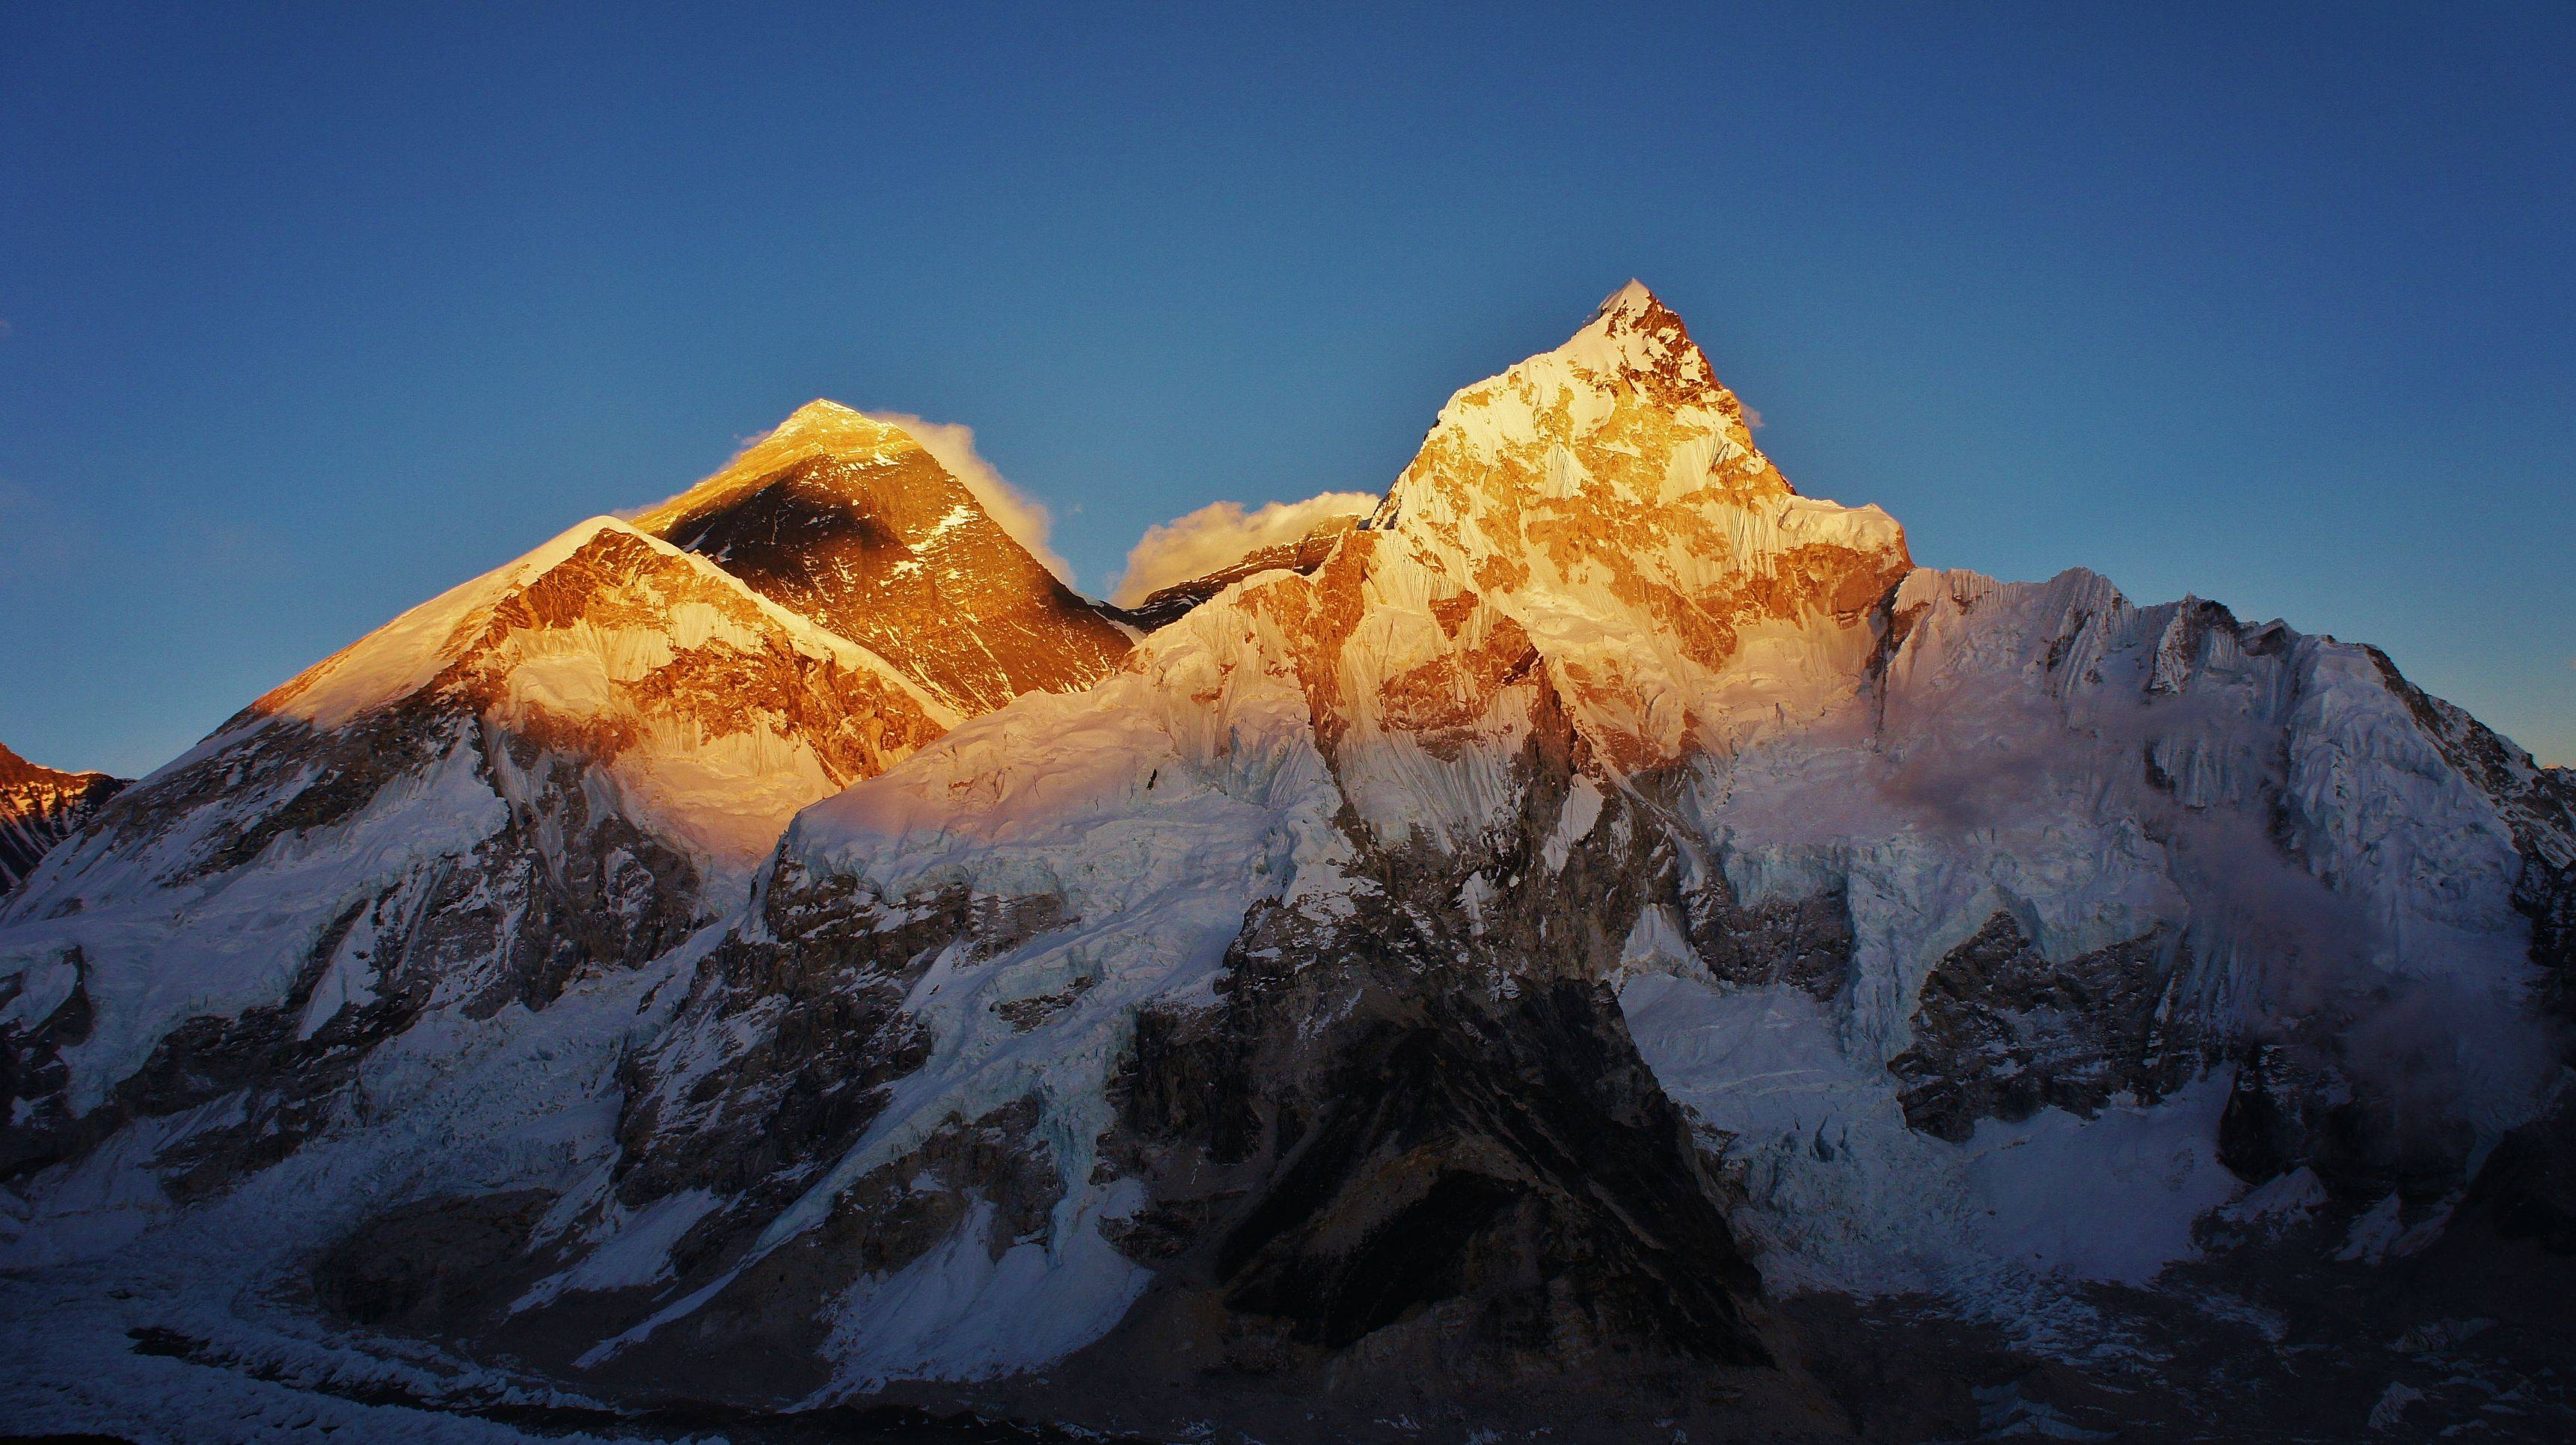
<point>851,523</point>
<point>1606,946</point>
<point>40,807</point>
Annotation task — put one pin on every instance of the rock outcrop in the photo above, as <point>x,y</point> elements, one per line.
<point>40,807</point>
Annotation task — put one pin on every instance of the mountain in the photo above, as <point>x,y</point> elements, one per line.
<point>1611,893</point>
<point>40,807</point>
<point>1609,946</point>
<point>567,766</point>
<point>850,522</point>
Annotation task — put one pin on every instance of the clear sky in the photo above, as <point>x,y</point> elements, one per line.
<point>314,311</point>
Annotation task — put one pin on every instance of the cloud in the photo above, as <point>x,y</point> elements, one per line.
<point>1752,418</point>
<point>952,445</point>
<point>1221,534</point>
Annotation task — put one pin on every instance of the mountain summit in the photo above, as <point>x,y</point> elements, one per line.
<point>1633,334</point>
<point>851,522</point>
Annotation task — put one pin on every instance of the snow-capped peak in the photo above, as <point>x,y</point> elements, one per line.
<point>1631,306</point>
<point>1634,335</point>
<point>818,428</point>
<point>1607,498</point>
<point>417,648</point>
<point>829,423</point>
<point>856,523</point>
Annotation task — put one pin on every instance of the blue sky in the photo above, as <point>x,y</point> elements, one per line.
<point>312,313</point>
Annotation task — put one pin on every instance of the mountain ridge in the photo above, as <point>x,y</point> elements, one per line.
<point>41,806</point>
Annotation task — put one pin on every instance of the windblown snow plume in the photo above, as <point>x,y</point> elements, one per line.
<point>952,445</point>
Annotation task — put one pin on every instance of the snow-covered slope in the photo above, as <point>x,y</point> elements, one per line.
<point>851,522</point>
<point>40,807</point>
<point>564,766</point>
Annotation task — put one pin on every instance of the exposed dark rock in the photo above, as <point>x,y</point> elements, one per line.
<point>333,774</point>
<point>1502,1178</point>
<point>780,1054</point>
<point>2296,1105</point>
<point>1025,1014</point>
<point>758,1337</point>
<point>1423,1129</point>
<point>2276,1112</point>
<point>34,1081</point>
<point>1805,943</point>
<point>2002,1033</point>
<point>433,1266</point>
<point>2528,1183</point>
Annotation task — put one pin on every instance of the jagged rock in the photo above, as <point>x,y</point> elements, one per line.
<point>2528,1183</point>
<point>2003,1032</point>
<point>40,807</point>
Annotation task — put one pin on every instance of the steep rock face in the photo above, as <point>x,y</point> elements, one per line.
<point>564,767</point>
<point>1425,1127</point>
<point>2538,804</point>
<point>2002,1031</point>
<point>40,807</point>
<point>850,522</point>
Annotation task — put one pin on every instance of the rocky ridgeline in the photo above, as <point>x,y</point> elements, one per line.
<point>40,807</point>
